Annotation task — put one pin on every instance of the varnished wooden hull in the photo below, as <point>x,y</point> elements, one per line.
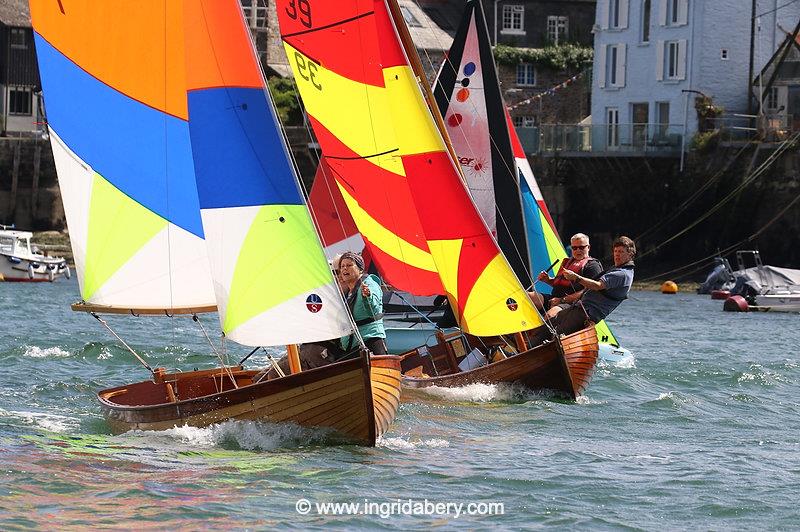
<point>356,398</point>
<point>563,367</point>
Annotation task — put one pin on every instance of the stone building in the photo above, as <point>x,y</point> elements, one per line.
<point>20,94</point>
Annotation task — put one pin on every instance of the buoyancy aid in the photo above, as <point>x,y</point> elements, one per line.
<point>570,264</point>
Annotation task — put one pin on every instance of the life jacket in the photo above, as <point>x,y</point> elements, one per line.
<point>572,265</point>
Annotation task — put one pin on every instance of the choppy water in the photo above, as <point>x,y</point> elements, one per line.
<point>698,431</point>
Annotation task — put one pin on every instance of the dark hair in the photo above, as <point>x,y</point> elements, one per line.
<point>625,242</point>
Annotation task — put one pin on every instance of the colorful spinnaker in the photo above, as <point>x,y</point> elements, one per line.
<point>368,111</point>
<point>336,60</point>
<point>113,78</point>
<point>254,214</point>
<point>335,226</point>
<point>468,96</point>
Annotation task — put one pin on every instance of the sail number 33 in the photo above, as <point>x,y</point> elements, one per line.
<point>307,69</point>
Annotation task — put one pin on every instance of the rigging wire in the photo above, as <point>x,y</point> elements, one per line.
<point>222,361</point>
<point>755,174</point>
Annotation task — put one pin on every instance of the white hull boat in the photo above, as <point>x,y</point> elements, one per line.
<point>22,262</point>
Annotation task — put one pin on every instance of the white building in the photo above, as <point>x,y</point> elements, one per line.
<point>654,57</point>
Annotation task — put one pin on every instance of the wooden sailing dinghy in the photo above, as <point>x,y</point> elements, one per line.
<point>385,144</point>
<point>181,198</point>
<point>563,367</point>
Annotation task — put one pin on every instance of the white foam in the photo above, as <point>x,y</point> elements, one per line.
<point>403,444</point>
<point>583,400</point>
<point>478,393</point>
<point>249,435</point>
<point>51,422</point>
<point>33,351</point>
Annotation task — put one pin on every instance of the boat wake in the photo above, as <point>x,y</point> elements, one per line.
<point>33,351</point>
<point>49,422</point>
<point>245,435</point>
<point>480,393</point>
<point>398,443</point>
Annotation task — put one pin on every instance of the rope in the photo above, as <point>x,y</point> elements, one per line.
<point>129,348</point>
<point>222,361</point>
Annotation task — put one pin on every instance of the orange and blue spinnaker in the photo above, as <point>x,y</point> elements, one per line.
<point>113,83</point>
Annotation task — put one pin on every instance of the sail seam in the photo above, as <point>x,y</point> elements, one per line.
<point>327,26</point>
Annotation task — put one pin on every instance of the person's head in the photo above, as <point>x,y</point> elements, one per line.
<point>351,266</point>
<point>579,243</point>
<point>335,265</point>
<point>624,250</point>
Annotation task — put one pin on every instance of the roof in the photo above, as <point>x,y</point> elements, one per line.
<point>15,13</point>
<point>425,33</point>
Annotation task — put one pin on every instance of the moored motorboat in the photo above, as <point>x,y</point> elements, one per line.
<point>21,261</point>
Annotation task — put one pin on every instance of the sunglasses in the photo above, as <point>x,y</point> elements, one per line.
<point>580,247</point>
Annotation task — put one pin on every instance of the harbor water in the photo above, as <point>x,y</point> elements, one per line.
<point>699,430</point>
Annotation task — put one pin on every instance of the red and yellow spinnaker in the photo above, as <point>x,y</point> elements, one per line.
<point>390,160</point>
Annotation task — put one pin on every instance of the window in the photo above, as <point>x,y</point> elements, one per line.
<point>616,65</point>
<point>612,131</point>
<point>772,98</point>
<point>611,65</point>
<point>255,13</point>
<point>641,115</point>
<point>557,28</point>
<point>662,118</point>
<point>672,60</point>
<point>17,38</point>
<point>20,100</point>
<point>673,12</point>
<point>409,17</point>
<point>513,19</point>
<point>645,36</point>
<point>524,121</point>
<point>526,74</point>
<point>618,14</point>
<point>723,54</point>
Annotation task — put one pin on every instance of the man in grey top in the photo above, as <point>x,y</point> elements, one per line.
<point>601,296</point>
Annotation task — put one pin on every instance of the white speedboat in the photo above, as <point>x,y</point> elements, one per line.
<point>20,261</point>
<point>771,288</point>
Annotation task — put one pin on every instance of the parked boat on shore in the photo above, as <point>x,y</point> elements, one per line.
<point>21,261</point>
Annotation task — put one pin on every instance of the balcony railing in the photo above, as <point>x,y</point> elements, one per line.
<point>595,138</point>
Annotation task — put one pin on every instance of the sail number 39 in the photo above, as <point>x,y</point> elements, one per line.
<point>301,9</point>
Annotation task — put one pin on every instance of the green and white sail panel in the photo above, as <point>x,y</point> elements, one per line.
<point>271,277</point>
<point>113,82</point>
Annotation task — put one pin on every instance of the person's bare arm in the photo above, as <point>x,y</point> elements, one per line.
<point>586,283</point>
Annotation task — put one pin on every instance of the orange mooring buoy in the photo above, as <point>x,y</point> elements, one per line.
<point>669,287</point>
<point>735,304</point>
